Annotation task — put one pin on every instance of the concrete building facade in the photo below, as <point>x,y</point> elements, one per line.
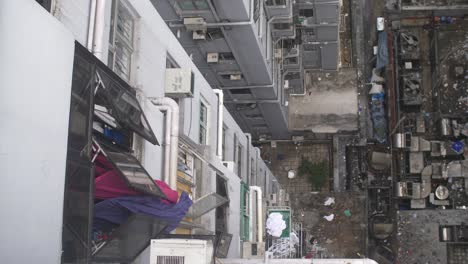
<point>133,41</point>
<point>232,43</point>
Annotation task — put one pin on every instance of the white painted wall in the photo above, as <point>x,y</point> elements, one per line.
<point>153,42</point>
<point>36,63</point>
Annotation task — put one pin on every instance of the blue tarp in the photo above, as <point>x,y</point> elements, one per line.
<point>382,54</point>
<point>118,210</point>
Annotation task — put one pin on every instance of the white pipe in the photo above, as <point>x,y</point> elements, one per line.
<point>249,163</point>
<point>92,17</point>
<point>219,149</point>
<point>259,212</point>
<point>173,144</point>
<point>99,25</point>
<point>251,200</point>
<point>167,140</point>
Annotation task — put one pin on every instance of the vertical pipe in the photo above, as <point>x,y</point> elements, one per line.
<point>91,24</point>
<point>169,105</point>
<point>219,147</point>
<point>99,25</point>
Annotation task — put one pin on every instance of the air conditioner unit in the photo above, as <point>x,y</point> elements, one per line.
<point>235,77</point>
<point>278,53</point>
<point>195,24</point>
<point>179,82</point>
<point>231,165</point>
<point>212,57</point>
<point>181,251</point>
<point>199,35</point>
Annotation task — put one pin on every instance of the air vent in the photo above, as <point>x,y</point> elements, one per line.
<point>170,260</point>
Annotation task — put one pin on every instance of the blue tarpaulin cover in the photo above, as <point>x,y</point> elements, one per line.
<point>382,54</point>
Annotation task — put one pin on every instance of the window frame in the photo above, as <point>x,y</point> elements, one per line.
<point>203,126</point>
<point>224,142</point>
<point>194,3</point>
<point>115,36</point>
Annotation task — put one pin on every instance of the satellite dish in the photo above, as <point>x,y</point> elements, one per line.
<point>291,174</point>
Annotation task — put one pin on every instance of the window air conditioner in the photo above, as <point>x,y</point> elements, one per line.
<point>212,57</point>
<point>278,53</point>
<point>179,82</point>
<point>198,35</point>
<point>181,251</point>
<point>195,24</point>
<point>231,165</point>
<point>235,77</point>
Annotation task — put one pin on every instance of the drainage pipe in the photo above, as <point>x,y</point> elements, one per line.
<point>259,211</point>
<point>171,108</point>
<point>98,28</point>
<point>249,159</point>
<point>91,24</point>
<point>219,147</point>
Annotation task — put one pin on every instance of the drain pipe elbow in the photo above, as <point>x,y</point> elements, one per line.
<point>173,107</point>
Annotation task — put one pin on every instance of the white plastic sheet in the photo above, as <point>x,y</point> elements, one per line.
<point>329,201</point>
<point>329,218</point>
<point>275,224</point>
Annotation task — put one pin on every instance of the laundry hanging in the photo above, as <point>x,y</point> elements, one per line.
<point>118,210</point>
<point>108,184</point>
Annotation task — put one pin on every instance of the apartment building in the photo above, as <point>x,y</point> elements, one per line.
<point>232,43</point>
<point>91,53</point>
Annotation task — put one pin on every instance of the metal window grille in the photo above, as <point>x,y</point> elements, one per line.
<point>121,40</point>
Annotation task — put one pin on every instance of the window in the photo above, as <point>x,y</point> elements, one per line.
<point>203,123</point>
<point>235,76</point>
<point>214,33</point>
<point>170,62</point>
<point>189,5</point>
<point>244,230</point>
<point>282,26</point>
<point>226,56</point>
<point>275,2</point>
<point>256,10</point>
<point>252,171</point>
<point>239,160</point>
<point>46,4</point>
<point>224,141</point>
<point>254,116</point>
<point>240,91</point>
<point>121,40</point>
<point>306,12</point>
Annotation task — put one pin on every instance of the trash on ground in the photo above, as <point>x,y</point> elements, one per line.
<point>329,201</point>
<point>329,218</point>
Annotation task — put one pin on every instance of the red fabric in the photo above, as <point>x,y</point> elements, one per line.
<point>108,184</point>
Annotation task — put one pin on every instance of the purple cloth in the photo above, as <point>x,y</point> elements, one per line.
<point>118,210</point>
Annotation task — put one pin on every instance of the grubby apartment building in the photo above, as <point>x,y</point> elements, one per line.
<point>65,66</point>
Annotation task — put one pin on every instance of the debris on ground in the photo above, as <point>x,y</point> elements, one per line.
<point>329,201</point>
<point>329,218</point>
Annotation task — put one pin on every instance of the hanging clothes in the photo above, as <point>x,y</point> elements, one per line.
<point>108,184</point>
<point>118,210</point>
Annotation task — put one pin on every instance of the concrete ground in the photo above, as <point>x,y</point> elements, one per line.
<point>344,237</point>
<point>287,156</point>
<point>330,104</point>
